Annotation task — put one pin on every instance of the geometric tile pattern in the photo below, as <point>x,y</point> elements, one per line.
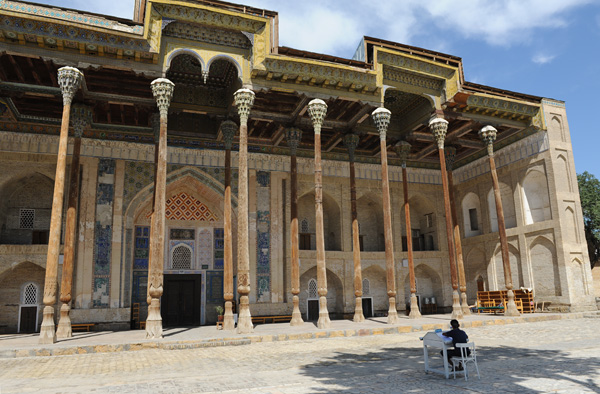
<point>205,250</point>
<point>185,207</point>
<point>103,233</point>
<point>263,236</point>
<point>219,241</point>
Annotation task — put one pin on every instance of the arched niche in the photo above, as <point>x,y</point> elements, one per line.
<point>580,280</point>
<point>544,267</point>
<point>475,268</point>
<point>423,224</point>
<point>25,209</point>
<point>508,206</point>
<point>13,311</point>
<point>429,284</point>
<point>557,128</point>
<point>516,268</point>
<point>471,209</point>
<point>536,201</point>
<point>331,222</point>
<point>370,219</point>
<point>571,234</point>
<point>335,292</point>
<point>375,274</point>
<point>562,172</point>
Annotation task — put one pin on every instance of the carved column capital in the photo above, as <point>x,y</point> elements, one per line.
<point>293,136</point>
<point>381,117</point>
<point>488,136</point>
<point>351,142</point>
<point>229,128</point>
<point>162,89</point>
<point>69,79</point>
<point>81,118</point>
<point>244,100</point>
<point>317,109</point>
<point>402,149</point>
<point>439,128</point>
<point>155,122</point>
<point>450,156</point>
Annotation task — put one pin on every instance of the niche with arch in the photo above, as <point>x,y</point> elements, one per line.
<point>335,293</point>
<point>428,283</point>
<point>516,269</point>
<point>471,209</point>
<point>475,269</point>
<point>536,201</point>
<point>370,219</point>
<point>331,221</point>
<point>508,206</point>
<point>544,267</point>
<point>423,223</point>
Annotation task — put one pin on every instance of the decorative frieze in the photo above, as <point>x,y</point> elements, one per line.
<point>410,63</point>
<point>196,32</point>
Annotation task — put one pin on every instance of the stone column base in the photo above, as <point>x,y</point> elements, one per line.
<point>64,325</point>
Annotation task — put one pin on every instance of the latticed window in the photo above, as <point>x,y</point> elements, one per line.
<point>366,287</point>
<point>312,289</point>
<point>304,226</point>
<point>26,217</point>
<point>30,292</point>
<point>181,258</point>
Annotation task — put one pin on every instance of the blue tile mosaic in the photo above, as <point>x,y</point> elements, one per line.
<point>214,287</point>
<point>103,233</point>
<point>263,236</point>
<point>219,248</point>
<point>263,178</point>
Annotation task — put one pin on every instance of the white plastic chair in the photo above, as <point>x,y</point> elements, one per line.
<point>465,358</point>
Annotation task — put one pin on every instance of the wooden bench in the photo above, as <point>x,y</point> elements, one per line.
<point>273,319</point>
<point>81,326</point>
<point>143,325</point>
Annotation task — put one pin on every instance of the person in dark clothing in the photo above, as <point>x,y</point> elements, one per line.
<point>458,336</point>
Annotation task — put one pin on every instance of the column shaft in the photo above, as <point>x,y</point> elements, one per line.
<point>66,286</point>
<point>387,231</point>
<point>358,290</point>
<point>296,315</point>
<point>228,321</point>
<point>458,245</point>
<point>414,305</point>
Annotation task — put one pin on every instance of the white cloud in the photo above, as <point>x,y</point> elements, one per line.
<point>541,58</point>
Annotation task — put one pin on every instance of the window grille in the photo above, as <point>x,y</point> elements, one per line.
<point>181,258</point>
<point>26,217</point>
<point>366,287</point>
<point>30,294</point>
<point>312,289</point>
<point>304,226</point>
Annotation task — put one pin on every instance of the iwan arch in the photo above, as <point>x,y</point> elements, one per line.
<point>198,163</point>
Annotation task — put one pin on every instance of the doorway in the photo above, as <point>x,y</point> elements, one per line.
<point>181,304</point>
<point>312,312</point>
<point>367,307</point>
<point>28,322</point>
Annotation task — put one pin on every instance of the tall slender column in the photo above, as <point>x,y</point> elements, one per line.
<point>402,149</point>
<point>488,136</point>
<point>69,79</point>
<point>381,116</point>
<point>244,99</point>
<point>460,265</point>
<point>294,136</point>
<point>317,110</point>
<point>351,142</point>
<point>228,128</point>
<point>155,122</point>
<point>162,89</point>
<point>81,118</point>
<point>439,127</point>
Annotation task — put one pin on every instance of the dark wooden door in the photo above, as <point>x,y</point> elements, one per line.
<point>28,316</point>
<point>313,310</point>
<point>181,300</point>
<point>367,306</point>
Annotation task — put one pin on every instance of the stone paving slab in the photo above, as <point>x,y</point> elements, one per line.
<point>26,345</point>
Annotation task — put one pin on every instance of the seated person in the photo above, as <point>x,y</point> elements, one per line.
<point>458,336</point>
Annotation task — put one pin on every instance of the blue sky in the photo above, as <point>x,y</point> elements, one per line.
<point>547,48</point>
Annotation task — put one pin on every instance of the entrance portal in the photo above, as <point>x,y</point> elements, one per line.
<point>181,300</point>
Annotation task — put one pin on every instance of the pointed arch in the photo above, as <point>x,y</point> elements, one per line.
<point>544,267</point>
<point>516,268</point>
<point>471,209</point>
<point>536,200</point>
<point>508,206</point>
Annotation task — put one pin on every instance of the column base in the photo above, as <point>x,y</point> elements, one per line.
<point>296,315</point>
<point>324,321</point>
<point>228,321</point>
<point>464,305</point>
<point>511,307</point>
<point>414,307</point>
<point>154,328</point>
<point>392,312</point>
<point>64,325</point>
<point>245,325</point>
<point>456,309</point>
<point>47,333</point>
<point>358,311</point>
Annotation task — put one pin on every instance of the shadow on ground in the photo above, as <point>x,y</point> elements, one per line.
<point>503,369</point>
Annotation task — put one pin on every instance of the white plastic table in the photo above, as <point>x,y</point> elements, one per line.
<point>436,340</point>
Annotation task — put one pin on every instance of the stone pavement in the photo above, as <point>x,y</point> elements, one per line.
<point>558,354</point>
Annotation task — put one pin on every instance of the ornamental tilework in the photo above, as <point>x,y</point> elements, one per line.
<point>214,287</point>
<point>205,250</point>
<point>103,233</point>
<point>263,236</point>
<point>185,207</point>
<point>219,248</point>
<point>140,263</point>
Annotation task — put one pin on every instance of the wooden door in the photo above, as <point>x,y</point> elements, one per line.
<point>181,300</point>
<point>28,319</point>
<point>367,306</point>
<point>313,310</point>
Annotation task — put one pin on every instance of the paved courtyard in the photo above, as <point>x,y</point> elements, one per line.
<point>560,356</point>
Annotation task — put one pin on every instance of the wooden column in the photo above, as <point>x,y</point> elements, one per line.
<point>439,127</point>
<point>80,119</point>
<point>488,136</point>
<point>244,99</point>
<point>381,116</point>
<point>69,79</point>
<point>155,122</point>
<point>317,110</point>
<point>229,129</point>
<point>351,142</point>
<point>294,136</point>
<point>162,90</point>
<point>402,149</point>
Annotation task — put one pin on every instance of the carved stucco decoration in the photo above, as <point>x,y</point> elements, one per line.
<point>224,19</point>
<point>507,107</point>
<point>195,32</point>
